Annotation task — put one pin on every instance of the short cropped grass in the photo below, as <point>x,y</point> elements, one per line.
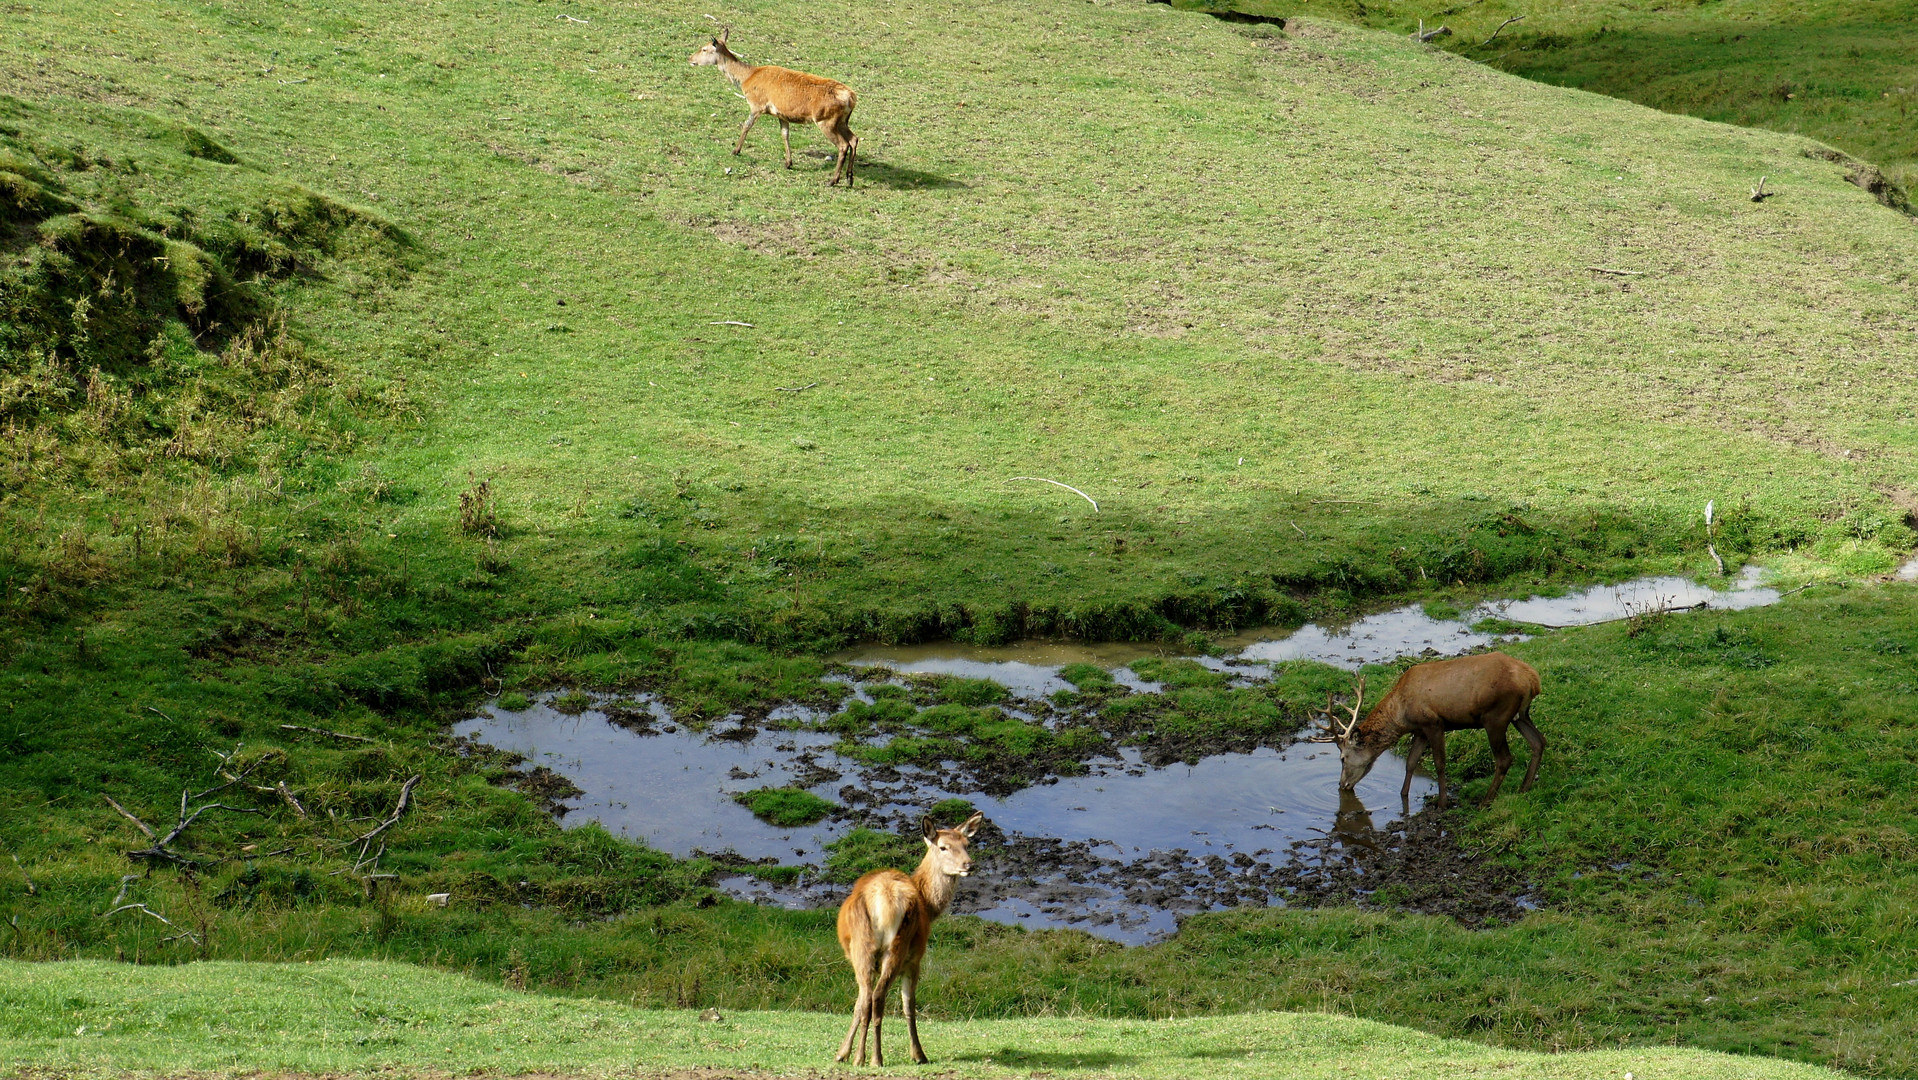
<point>355,1018</point>
<point>1844,72</point>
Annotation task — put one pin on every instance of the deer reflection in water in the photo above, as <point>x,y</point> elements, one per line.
<point>1353,826</point>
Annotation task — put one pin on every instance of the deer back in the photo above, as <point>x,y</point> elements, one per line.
<point>797,96</point>
<point>1458,692</point>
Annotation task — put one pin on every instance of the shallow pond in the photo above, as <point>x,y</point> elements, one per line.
<point>675,792</point>
<point>1122,851</point>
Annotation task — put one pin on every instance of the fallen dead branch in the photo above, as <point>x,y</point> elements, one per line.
<point>1620,273</point>
<point>1759,194</point>
<point>365,839</point>
<point>188,934</point>
<point>1425,35</point>
<point>1500,30</point>
<point>569,18</point>
<point>733,322</point>
<point>1055,483</point>
<point>797,389</point>
<point>159,851</point>
<point>323,731</point>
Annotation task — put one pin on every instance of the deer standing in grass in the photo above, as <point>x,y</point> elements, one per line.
<point>1490,690</point>
<point>883,927</point>
<point>792,97</point>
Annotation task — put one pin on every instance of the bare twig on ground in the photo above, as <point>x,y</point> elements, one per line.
<point>1620,273</point>
<point>569,18</point>
<point>1425,35</point>
<point>159,850</point>
<point>188,934</point>
<point>323,731</point>
<point>290,800</point>
<point>1068,487</point>
<point>23,873</point>
<point>1501,29</point>
<point>797,389</point>
<point>1759,194</point>
<point>366,839</point>
<point>141,825</point>
<point>733,322</point>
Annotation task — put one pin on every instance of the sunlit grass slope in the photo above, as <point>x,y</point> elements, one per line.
<point>334,1017</point>
<point>1842,71</point>
<point>1270,300</point>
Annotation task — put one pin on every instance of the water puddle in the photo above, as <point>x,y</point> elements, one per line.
<point>1374,639</point>
<point>1122,851</point>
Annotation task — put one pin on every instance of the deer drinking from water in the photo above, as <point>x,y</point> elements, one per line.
<point>883,927</point>
<point>1490,690</point>
<point>793,97</point>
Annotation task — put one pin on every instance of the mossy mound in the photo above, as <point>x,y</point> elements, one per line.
<point>140,268</point>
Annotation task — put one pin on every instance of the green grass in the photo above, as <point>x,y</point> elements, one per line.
<point>1721,867</point>
<point>1310,316</point>
<point>1844,72</point>
<point>785,806</point>
<point>1224,361</point>
<point>343,1017</point>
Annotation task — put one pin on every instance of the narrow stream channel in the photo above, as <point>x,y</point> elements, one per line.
<point>1122,851</point>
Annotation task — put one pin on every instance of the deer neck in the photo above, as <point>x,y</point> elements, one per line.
<point>1384,726</point>
<point>934,886</point>
<point>735,69</point>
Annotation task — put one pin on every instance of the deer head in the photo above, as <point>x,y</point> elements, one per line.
<point>947,847</point>
<point>1355,760</point>
<point>713,51</point>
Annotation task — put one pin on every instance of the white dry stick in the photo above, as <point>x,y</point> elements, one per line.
<point>733,322</point>
<point>569,18</point>
<point>1709,546</point>
<point>1501,28</point>
<point>1068,487</point>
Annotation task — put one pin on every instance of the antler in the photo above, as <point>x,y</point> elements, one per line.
<point>1336,731</point>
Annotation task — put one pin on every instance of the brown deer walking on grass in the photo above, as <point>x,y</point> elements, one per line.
<point>883,927</point>
<point>1490,690</point>
<point>794,97</point>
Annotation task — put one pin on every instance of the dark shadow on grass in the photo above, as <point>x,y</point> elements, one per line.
<point>1040,1059</point>
<point>901,178</point>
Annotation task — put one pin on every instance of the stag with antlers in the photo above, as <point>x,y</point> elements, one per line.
<point>1490,690</point>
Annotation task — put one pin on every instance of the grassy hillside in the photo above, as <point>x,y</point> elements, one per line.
<point>344,1017</point>
<point>1844,72</point>
<point>1363,313</point>
<point>359,362</point>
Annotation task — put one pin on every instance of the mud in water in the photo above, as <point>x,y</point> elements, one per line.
<point>1123,851</point>
<point>1123,845</point>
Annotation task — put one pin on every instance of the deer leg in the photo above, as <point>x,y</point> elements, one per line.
<point>1501,760</point>
<point>786,136</point>
<point>751,119</point>
<point>1438,764</point>
<point>888,969</point>
<point>909,998</point>
<point>852,148</point>
<point>1412,757</point>
<point>861,1008</point>
<point>1533,739</point>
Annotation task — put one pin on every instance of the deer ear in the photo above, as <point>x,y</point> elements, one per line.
<point>972,823</point>
<point>723,33</point>
<point>928,830</point>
